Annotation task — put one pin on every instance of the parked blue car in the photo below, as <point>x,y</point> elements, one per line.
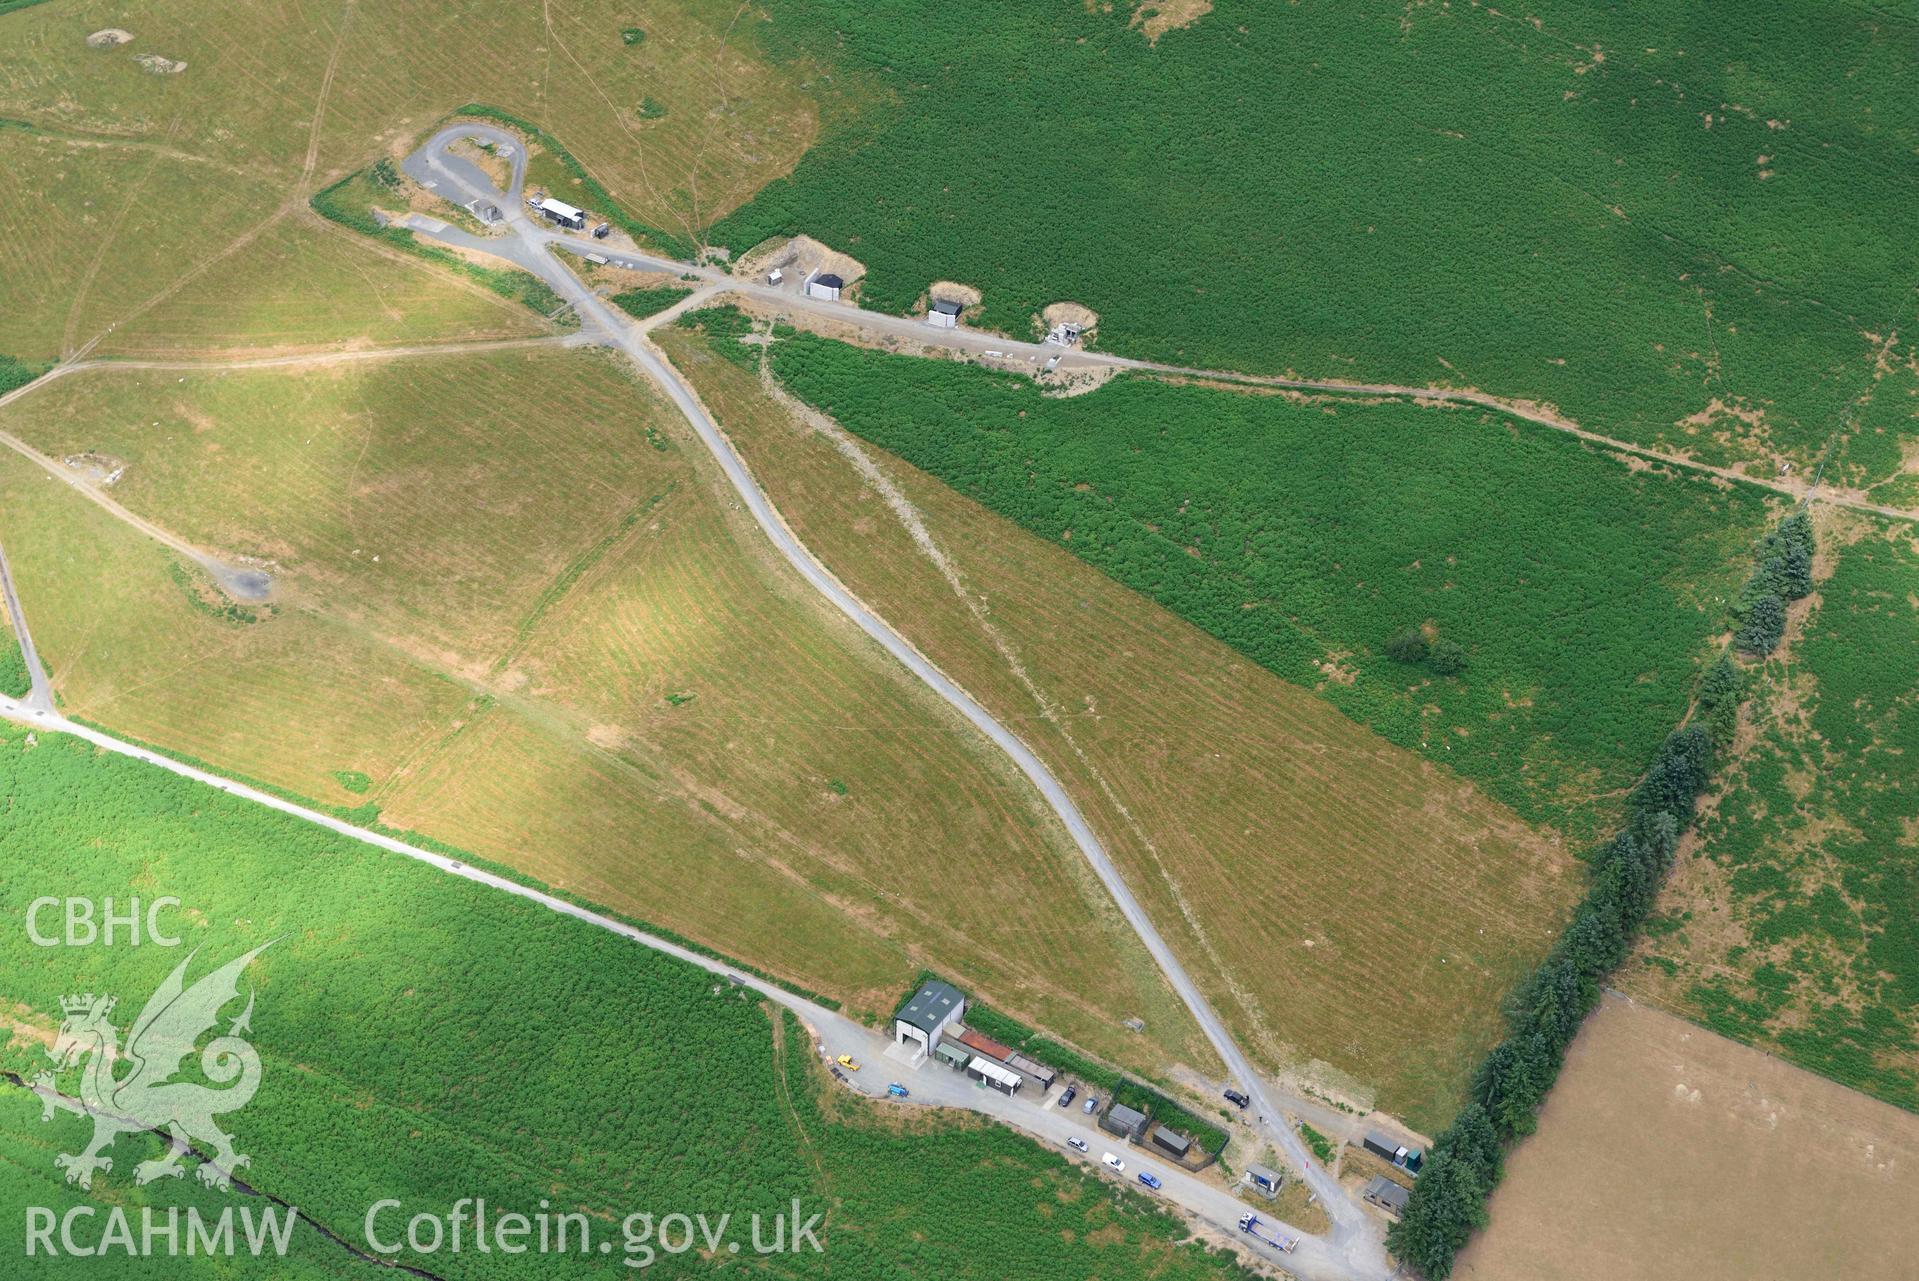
<point>1150,1180</point>
<point>895,1089</point>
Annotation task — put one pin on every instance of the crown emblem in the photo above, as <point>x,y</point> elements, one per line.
<point>72,1005</point>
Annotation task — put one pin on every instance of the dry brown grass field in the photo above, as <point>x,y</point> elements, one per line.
<point>1356,913</point>
<point>124,186</point>
<point>306,285</point>
<point>1667,1153</point>
<point>514,612</point>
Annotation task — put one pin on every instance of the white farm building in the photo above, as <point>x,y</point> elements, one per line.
<point>558,211</point>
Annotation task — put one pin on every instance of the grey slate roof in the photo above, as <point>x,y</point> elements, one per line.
<point>1383,1191</point>
<point>933,1002</point>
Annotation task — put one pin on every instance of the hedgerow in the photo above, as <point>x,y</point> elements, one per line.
<point>1010,1031</point>
<point>1448,1203</point>
<point>1782,572</point>
<point>1144,1098</point>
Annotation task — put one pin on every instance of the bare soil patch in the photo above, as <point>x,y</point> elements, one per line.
<point>967,296</point>
<point>1070,313</point>
<point>1156,17</point>
<point>799,256</point>
<point>1077,382</point>
<point>1667,1151</point>
<point>99,469</point>
<point>158,65</point>
<point>108,38</point>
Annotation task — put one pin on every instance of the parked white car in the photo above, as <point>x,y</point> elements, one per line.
<point>1114,1163</point>
<point>1077,1144</point>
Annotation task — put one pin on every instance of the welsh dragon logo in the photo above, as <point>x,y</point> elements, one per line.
<point>133,1089</point>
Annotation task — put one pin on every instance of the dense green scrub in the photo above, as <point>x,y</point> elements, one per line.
<point>1813,838</point>
<point>641,303</point>
<point>17,373</point>
<point>428,1039</point>
<point>1577,593</point>
<point>28,1178</point>
<point>1628,212</point>
<point>15,680</point>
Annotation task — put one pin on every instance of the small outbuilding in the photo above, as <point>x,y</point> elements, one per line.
<point>1381,1146</point>
<point>1172,1142</point>
<point>1033,1070</point>
<point>944,314</point>
<point>826,285</point>
<point>999,1078</point>
<point>1387,1195</point>
<point>953,1055</point>
<point>928,1013</point>
<point>562,214</point>
<point>1265,1180</point>
<point>984,1045</point>
<point>1123,1121</point>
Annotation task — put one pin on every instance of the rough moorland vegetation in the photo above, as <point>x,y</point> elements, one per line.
<point>1678,227</point>
<point>1497,595</point>
<point>1795,926</point>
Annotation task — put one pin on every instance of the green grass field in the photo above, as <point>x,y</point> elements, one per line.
<point>1791,924</point>
<point>427,1039</point>
<point>509,598</point>
<point>1680,226</point>
<point>1574,593</point>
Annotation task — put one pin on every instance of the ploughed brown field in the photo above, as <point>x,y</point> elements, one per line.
<point>1667,1152</point>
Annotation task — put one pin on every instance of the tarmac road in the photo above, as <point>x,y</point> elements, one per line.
<point>40,696</point>
<point>1353,1240</point>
